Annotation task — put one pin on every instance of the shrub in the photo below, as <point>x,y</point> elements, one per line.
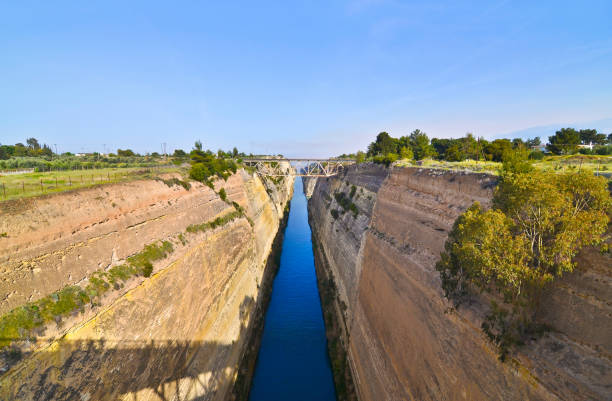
<point>346,203</point>
<point>147,269</point>
<point>175,181</point>
<point>536,155</point>
<point>223,194</point>
<point>335,214</point>
<point>218,222</point>
<point>387,159</point>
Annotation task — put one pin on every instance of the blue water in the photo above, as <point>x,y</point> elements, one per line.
<point>293,362</point>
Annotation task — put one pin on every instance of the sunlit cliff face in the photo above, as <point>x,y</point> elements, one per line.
<point>403,341</point>
<point>178,334</point>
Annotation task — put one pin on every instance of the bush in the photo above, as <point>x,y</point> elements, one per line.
<point>346,203</point>
<point>536,155</point>
<point>223,194</point>
<point>147,269</point>
<point>387,159</point>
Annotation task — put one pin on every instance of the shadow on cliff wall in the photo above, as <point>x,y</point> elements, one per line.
<point>101,370</point>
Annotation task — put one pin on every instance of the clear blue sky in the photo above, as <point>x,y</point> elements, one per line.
<point>312,78</point>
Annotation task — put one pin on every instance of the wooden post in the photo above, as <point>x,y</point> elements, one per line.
<point>70,180</point>
<point>55,182</point>
<point>41,186</point>
<point>4,190</point>
<point>23,187</point>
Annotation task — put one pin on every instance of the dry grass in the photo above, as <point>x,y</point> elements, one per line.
<point>597,164</point>
<point>36,184</point>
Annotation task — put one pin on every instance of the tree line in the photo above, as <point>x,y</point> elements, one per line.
<point>417,145</point>
<point>32,148</point>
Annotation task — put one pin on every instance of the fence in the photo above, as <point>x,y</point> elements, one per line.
<point>16,171</point>
<point>13,186</point>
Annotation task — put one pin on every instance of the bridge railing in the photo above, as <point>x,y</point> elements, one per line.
<point>314,167</point>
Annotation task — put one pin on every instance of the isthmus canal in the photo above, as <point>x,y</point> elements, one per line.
<point>293,363</point>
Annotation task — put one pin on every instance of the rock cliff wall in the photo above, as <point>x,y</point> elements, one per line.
<point>179,334</point>
<point>402,340</point>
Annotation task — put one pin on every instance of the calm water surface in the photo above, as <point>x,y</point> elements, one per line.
<point>293,362</point>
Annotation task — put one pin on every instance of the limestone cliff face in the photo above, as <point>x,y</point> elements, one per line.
<point>402,340</point>
<point>177,335</point>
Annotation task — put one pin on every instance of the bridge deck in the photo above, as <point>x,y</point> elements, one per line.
<point>292,159</point>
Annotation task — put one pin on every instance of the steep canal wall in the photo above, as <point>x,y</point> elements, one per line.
<point>377,234</point>
<point>177,331</point>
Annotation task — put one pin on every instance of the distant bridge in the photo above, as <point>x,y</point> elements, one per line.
<point>313,167</point>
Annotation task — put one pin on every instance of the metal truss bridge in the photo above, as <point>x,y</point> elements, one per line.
<point>310,167</point>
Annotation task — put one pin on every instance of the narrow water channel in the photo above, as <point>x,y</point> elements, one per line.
<point>292,363</point>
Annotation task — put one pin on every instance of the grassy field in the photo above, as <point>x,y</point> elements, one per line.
<point>35,184</point>
<point>600,164</point>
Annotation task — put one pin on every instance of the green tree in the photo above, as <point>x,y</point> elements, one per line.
<point>199,172</point>
<point>440,145</point>
<point>20,150</point>
<point>406,153</point>
<point>469,146</point>
<point>530,143</point>
<point>419,142</point>
<point>454,153</point>
<point>565,141</point>
<point>3,153</point>
<point>496,150</point>
<point>538,223</point>
<point>360,157</point>
<point>383,144</point>
<point>33,143</point>
<point>126,152</point>
<point>590,136</point>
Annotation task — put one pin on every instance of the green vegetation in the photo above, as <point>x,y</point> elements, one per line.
<point>335,214</point>
<point>387,159</point>
<point>346,203</point>
<point>19,323</point>
<point>218,222</point>
<point>32,149</point>
<point>205,165</point>
<point>175,181</point>
<point>42,158</point>
<point>538,223</point>
<point>142,261</point>
<point>418,146</point>
<point>223,194</point>
<point>35,184</point>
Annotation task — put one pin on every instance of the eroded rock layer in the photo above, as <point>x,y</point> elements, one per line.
<point>179,334</point>
<point>401,338</point>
